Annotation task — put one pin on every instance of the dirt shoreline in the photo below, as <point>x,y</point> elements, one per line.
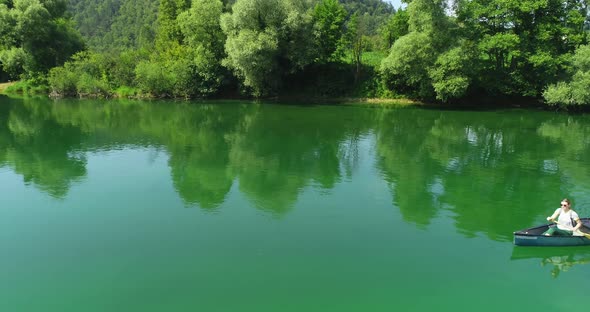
<point>5,85</point>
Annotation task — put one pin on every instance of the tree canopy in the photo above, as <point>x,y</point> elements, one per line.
<point>35,35</point>
<point>433,50</point>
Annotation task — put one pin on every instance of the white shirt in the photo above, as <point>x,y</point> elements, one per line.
<point>564,221</point>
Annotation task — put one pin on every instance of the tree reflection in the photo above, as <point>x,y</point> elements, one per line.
<point>199,153</point>
<point>39,149</point>
<point>571,137</point>
<point>407,167</point>
<point>491,174</point>
<point>558,259</point>
<point>277,152</point>
<point>273,152</point>
<point>474,168</point>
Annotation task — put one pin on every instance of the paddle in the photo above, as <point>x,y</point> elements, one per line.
<point>583,234</point>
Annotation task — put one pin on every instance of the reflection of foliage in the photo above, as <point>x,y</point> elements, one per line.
<point>276,153</point>
<point>434,162</point>
<point>572,135</point>
<point>471,167</point>
<point>199,155</point>
<point>273,153</point>
<point>572,140</point>
<point>563,263</point>
<point>200,180</point>
<point>40,150</point>
<point>558,259</point>
<point>405,165</point>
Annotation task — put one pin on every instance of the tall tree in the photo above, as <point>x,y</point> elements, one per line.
<point>202,35</point>
<point>329,25</point>
<point>356,37</point>
<point>395,27</point>
<point>168,30</point>
<point>35,35</point>
<point>407,67</point>
<point>524,45</point>
<point>576,91</point>
<point>266,39</point>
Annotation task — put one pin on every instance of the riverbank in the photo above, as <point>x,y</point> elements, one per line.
<point>5,85</point>
<point>480,104</point>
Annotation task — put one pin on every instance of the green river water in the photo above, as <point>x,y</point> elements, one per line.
<point>235,206</point>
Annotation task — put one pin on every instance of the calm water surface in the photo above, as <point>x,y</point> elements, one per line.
<point>218,206</point>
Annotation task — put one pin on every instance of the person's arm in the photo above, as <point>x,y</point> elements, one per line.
<point>555,214</point>
<point>578,221</point>
<point>578,224</point>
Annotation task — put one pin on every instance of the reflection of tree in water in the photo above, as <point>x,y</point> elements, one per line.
<point>274,151</point>
<point>557,259</point>
<point>405,165</point>
<point>563,263</point>
<point>503,161</point>
<point>200,180</point>
<point>571,136</point>
<point>194,136</point>
<point>432,160</point>
<point>39,149</point>
<point>278,151</point>
<point>473,167</point>
<point>199,155</point>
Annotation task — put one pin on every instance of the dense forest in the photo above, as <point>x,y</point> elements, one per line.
<point>432,50</point>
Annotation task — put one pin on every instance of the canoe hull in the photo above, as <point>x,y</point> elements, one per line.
<point>533,236</point>
<point>540,240</point>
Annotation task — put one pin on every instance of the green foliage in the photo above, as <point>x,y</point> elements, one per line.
<point>29,87</point>
<point>168,30</point>
<point>94,18</point>
<point>89,85</point>
<point>120,68</point>
<point>178,48</point>
<point>412,65</point>
<point>13,60</point>
<point>153,78</point>
<point>406,67</point>
<point>395,27</point>
<point>133,26</point>
<point>522,44</point>
<point>581,59</point>
<point>204,39</point>
<point>35,36</point>
<point>115,25</point>
<point>376,12</point>
<point>451,74</point>
<point>427,16</point>
<point>329,18</point>
<point>87,74</point>
<point>252,56</point>
<point>265,39</point>
<point>200,26</point>
<point>172,77</point>
<point>576,91</point>
<point>126,92</point>
<point>62,81</point>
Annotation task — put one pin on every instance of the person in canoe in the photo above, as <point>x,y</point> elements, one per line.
<point>567,220</point>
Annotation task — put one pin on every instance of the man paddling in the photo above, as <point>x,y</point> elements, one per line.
<point>568,220</point>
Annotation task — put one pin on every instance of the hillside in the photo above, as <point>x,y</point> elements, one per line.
<point>122,24</point>
<point>115,24</point>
